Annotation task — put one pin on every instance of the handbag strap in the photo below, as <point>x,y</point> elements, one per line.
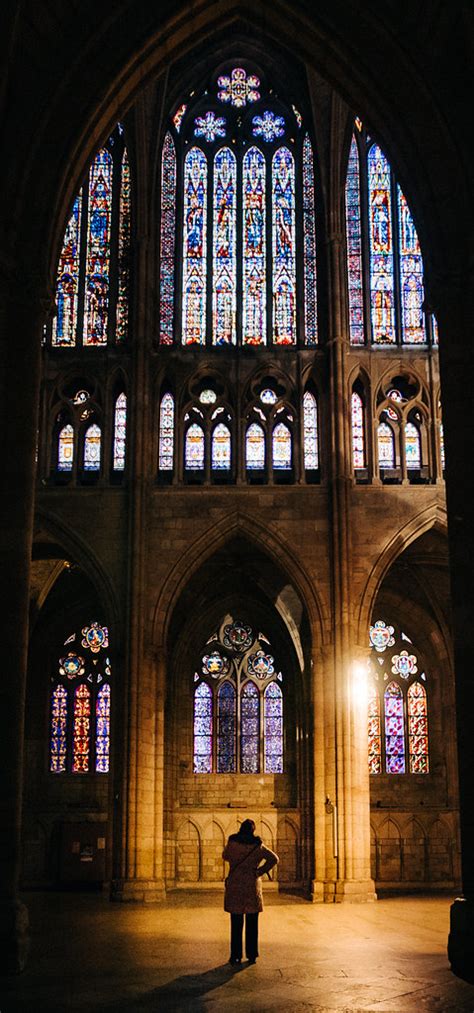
<point>244,859</point>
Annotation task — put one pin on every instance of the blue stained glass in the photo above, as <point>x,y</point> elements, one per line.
<point>386,446</point>
<point>284,254</point>
<point>381,248</point>
<point>67,283</point>
<point>249,729</point>
<point>194,248</point>
<point>194,448</point>
<point>57,760</point>
<point>167,239</point>
<point>254,253</point>
<point>255,447</point>
<point>203,729</point>
<point>238,89</point>
<point>221,448</point>
<point>269,126</point>
<point>96,305</point>
<point>226,729</point>
<point>65,448</point>
<point>281,447</point>
<point>394,730</point>
<point>310,432</point>
<point>354,248</point>
<point>209,126</point>
<point>102,732</point>
<point>224,293</point>
<point>412,446</point>
<point>411,276</point>
<point>92,444</point>
<point>273,729</point>
<point>309,247</point>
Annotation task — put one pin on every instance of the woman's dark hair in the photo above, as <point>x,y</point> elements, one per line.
<point>246,834</point>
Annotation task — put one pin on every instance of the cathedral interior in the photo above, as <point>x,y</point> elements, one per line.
<point>237,360</point>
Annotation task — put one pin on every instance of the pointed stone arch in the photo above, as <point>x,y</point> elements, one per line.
<point>188,852</point>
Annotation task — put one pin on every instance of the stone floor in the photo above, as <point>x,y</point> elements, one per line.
<point>88,954</point>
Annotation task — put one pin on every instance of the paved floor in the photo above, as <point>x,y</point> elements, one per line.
<point>88,954</point>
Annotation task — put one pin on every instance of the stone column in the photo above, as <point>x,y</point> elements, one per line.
<point>453,303</point>
<point>22,315</point>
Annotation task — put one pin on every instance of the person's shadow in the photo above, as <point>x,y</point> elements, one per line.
<point>185,993</point>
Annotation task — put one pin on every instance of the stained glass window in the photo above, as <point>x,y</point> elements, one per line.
<point>310,432</point>
<point>381,248</point>
<point>194,248</point>
<point>120,431</point>
<point>394,730</point>
<point>57,761</point>
<point>354,248</point>
<point>358,435</point>
<point>194,448</point>
<point>411,276</point>
<point>412,446</point>
<point>386,446</point>
<point>374,732</point>
<point>166,443</point>
<point>121,328</point>
<point>92,442</point>
<point>226,729</point>
<point>281,447</point>
<point>284,253</point>
<point>209,126</point>
<point>255,447</point>
<point>309,247</point>
<point>102,730</point>
<point>224,289</point>
<point>203,729</point>
<point>65,448</point>
<point>273,729</point>
<point>81,729</point>
<point>254,249</point>
<point>167,239</point>
<point>268,126</point>
<point>250,729</point>
<point>221,448</point>
<point>441,446</point>
<point>238,89</point>
<point>417,729</point>
<point>67,283</point>
<point>434,326</point>
<point>96,304</point>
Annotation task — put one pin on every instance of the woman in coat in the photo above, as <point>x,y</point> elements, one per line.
<point>243,888</point>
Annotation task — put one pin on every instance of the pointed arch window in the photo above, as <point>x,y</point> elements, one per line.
<point>166,440</point>
<point>221,445</point>
<point>417,729</point>
<point>411,276</point>
<point>93,275</point>
<point>386,445</point>
<point>58,742</point>
<point>203,725</point>
<point>284,252</point>
<point>81,730</point>
<point>224,293</point>
<point>273,729</point>
<point>226,729</point>
<point>309,233</point>
<point>250,729</point>
<point>255,447</point>
<point>120,431</point>
<point>412,446</point>
<point>358,431</point>
<point>281,447</point>
<point>66,448</point>
<point>354,248</point>
<point>375,734</point>
<point>394,730</point>
<point>310,432</point>
<point>167,239</point>
<point>194,248</point>
<point>194,448</point>
<point>382,286</point>
<point>254,249</point>
<point>92,447</point>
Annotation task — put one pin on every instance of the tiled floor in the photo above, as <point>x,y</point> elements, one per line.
<point>88,954</point>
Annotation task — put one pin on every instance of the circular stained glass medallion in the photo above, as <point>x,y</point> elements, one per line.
<point>268,396</point>
<point>95,637</point>
<point>208,396</point>
<point>71,665</point>
<point>404,664</point>
<point>238,636</point>
<point>214,664</point>
<point>262,665</point>
<point>381,636</point>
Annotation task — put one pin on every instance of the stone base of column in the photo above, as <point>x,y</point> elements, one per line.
<point>461,939</point>
<point>14,938</point>
<point>322,891</point>
<point>142,891</point>
<point>355,891</point>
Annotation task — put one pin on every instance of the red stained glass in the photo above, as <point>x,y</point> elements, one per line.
<point>381,248</point>
<point>354,248</point>
<point>417,729</point>
<point>67,283</point>
<point>374,732</point>
<point>166,444</point>
<point>358,435</point>
<point>57,760</point>
<point>81,730</point>
<point>411,276</point>
<point>102,730</point>
<point>254,249</point>
<point>121,328</point>
<point>194,248</point>
<point>394,730</point>
<point>96,302</point>
<point>284,253</point>
<point>167,239</point>
<point>224,293</point>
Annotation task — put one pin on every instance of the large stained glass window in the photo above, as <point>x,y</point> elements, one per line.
<point>203,729</point>
<point>310,432</point>
<point>358,433</point>
<point>381,248</point>
<point>412,446</point>
<point>166,441</point>
<point>281,447</point>
<point>354,248</point>
<point>273,729</point>
<point>221,448</point>
<point>93,276</point>
<point>254,249</point>
<point>386,445</point>
<point>92,445</point>
<point>65,448</point>
<point>80,704</point>
<point>417,729</point>
<point>120,431</point>
<point>309,247</point>
<point>226,729</point>
<point>194,448</point>
<point>284,251</point>
<point>194,248</point>
<point>399,744</point>
<point>255,447</point>
<point>411,276</point>
<point>238,704</point>
<point>167,240</point>
<point>67,283</point>
<point>224,285</point>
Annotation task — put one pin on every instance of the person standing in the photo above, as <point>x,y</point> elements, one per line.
<point>243,888</point>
